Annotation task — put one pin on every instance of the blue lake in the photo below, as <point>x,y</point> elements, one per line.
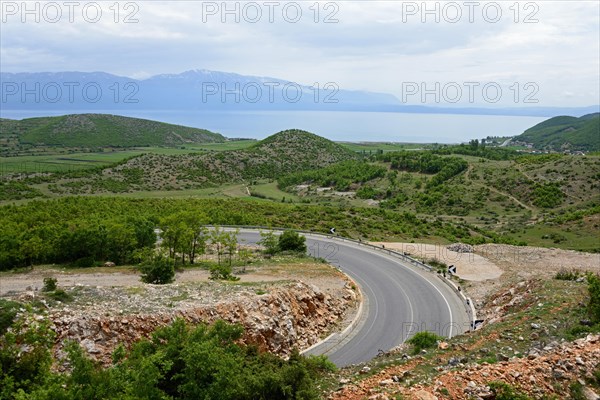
<point>334,125</point>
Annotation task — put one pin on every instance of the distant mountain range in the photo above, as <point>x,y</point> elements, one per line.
<point>565,133</point>
<point>202,90</point>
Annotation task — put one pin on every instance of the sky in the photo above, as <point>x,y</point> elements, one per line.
<point>538,53</point>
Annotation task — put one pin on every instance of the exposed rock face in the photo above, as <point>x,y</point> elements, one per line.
<point>534,375</point>
<point>294,316</point>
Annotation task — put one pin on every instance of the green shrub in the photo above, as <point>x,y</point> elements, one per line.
<point>8,312</point>
<point>157,269</point>
<point>222,271</point>
<point>181,361</point>
<point>25,355</point>
<point>423,340</point>
<point>84,262</point>
<point>292,241</point>
<point>567,275</point>
<point>503,391</point>
<point>594,292</point>
<point>270,242</point>
<point>49,284</point>
<point>60,295</point>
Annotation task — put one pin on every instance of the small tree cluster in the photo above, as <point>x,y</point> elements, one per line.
<point>288,241</point>
<point>184,235</point>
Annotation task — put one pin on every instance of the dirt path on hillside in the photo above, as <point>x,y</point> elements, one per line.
<point>493,189</point>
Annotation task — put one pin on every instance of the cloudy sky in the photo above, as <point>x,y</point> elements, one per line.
<point>542,50</point>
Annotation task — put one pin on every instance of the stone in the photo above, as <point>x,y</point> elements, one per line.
<point>453,361</point>
<point>423,395</point>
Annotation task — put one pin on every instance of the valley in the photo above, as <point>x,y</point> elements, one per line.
<point>88,218</point>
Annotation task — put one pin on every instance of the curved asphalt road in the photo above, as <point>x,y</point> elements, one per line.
<point>398,300</point>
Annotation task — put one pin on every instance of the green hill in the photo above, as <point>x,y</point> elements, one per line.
<point>285,152</point>
<point>98,130</point>
<point>565,133</point>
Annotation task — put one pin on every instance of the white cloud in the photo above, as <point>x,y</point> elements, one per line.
<point>374,46</point>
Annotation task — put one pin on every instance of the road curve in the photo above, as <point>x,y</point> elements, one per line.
<point>399,300</point>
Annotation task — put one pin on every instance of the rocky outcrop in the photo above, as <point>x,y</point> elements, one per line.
<point>536,374</point>
<point>294,316</point>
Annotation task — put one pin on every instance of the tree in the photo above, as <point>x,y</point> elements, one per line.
<point>175,234</point>
<point>196,233</point>
<point>292,241</point>
<point>184,234</point>
<point>269,241</point>
<point>225,243</point>
<point>121,240</point>
<point>32,249</point>
<point>230,240</point>
<point>217,238</point>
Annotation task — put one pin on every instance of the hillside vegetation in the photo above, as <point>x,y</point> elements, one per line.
<point>538,199</point>
<point>96,130</point>
<point>89,229</point>
<point>548,199</point>
<point>565,133</point>
<point>283,153</point>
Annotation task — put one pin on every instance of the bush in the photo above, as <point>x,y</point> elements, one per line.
<point>567,275</point>
<point>60,295</point>
<point>8,312</point>
<point>594,291</point>
<point>49,284</point>
<point>423,340</point>
<point>270,242</point>
<point>181,361</point>
<point>292,241</point>
<point>503,391</point>
<point>157,269</point>
<point>218,271</point>
<point>84,262</point>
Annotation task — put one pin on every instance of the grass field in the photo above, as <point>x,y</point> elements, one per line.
<point>64,161</point>
<point>373,147</point>
<point>269,190</point>
<point>233,145</point>
<point>61,160</point>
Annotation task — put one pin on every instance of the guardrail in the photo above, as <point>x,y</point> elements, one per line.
<point>468,303</point>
